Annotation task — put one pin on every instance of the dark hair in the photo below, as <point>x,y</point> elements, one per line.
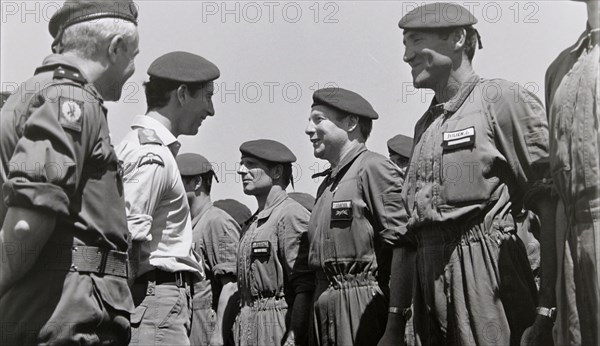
<point>286,176</point>
<point>365,125</point>
<point>158,91</point>
<point>470,39</point>
<point>207,179</point>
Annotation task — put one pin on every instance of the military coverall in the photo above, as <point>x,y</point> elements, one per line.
<point>476,159</point>
<point>161,229</point>
<point>57,156</point>
<point>572,93</point>
<point>272,268</point>
<point>358,210</point>
<point>216,238</point>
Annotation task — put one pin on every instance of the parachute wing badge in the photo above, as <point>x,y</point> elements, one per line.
<point>151,159</point>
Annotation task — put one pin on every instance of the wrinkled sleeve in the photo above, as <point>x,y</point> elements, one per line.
<point>221,240</point>
<point>381,182</point>
<point>43,171</point>
<point>293,242</point>
<point>521,131</point>
<point>143,186</point>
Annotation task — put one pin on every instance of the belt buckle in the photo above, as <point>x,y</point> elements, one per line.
<point>179,279</point>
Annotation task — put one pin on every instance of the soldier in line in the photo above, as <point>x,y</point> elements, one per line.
<point>179,100</point>
<point>400,150</point>
<point>66,283</point>
<point>216,237</point>
<point>305,199</point>
<point>473,284</point>
<point>570,290</point>
<point>238,211</point>
<point>357,218</point>
<point>274,281</point>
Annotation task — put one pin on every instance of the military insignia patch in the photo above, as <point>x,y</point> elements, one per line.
<point>70,113</point>
<point>261,248</point>
<point>341,211</point>
<point>151,159</point>
<point>459,139</point>
<point>148,136</point>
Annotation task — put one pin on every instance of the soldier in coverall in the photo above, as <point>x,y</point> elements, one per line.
<point>274,281</point>
<point>478,158</point>
<point>356,221</point>
<point>63,275</point>
<point>216,236</point>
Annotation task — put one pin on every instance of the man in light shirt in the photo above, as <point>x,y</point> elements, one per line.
<point>179,99</point>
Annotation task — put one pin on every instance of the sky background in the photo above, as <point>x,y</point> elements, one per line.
<point>273,55</point>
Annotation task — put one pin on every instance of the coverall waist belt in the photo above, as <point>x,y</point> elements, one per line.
<point>340,281</point>
<point>463,232</point>
<point>267,303</point>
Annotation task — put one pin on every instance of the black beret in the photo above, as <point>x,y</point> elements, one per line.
<point>184,67</point>
<point>193,164</point>
<point>268,150</point>
<point>344,100</point>
<point>437,15</point>
<point>238,211</point>
<point>77,11</point>
<point>305,199</point>
<point>401,145</point>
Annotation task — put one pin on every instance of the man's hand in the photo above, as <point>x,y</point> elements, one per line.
<point>540,333</point>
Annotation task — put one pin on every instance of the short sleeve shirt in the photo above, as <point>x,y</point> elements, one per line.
<point>157,207</point>
<point>481,152</point>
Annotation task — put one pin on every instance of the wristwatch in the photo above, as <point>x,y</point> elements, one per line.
<point>547,312</point>
<point>406,313</point>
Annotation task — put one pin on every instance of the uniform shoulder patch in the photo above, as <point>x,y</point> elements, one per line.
<point>148,136</point>
<point>151,159</point>
<point>70,113</point>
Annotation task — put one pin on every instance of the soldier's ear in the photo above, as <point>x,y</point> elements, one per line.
<point>182,94</point>
<point>116,46</point>
<point>351,122</point>
<point>197,183</point>
<point>459,38</point>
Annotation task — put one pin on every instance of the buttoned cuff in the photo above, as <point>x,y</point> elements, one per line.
<point>25,194</point>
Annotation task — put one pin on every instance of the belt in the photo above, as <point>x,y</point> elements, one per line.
<point>85,259</point>
<point>161,277</point>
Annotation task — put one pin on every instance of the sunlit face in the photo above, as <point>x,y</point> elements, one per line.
<point>124,67</point>
<point>197,108</point>
<point>327,132</point>
<point>429,56</point>
<point>255,174</point>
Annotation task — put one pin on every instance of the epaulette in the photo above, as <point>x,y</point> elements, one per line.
<point>148,136</point>
<point>69,73</point>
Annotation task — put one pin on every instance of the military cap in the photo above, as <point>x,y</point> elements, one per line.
<point>344,100</point>
<point>238,211</point>
<point>437,15</point>
<point>77,11</point>
<point>268,150</point>
<point>305,199</point>
<point>184,67</point>
<point>401,145</point>
<point>191,164</point>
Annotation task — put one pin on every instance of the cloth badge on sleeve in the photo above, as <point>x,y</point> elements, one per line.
<point>148,136</point>
<point>261,248</point>
<point>150,159</point>
<point>459,139</point>
<point>70,113</point>
<point>341,211</point>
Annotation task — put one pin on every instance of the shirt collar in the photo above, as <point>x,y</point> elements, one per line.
<point>268,209</point>
<point>162,132</point>
<point>53,61</point>
<point>348,158</point>
<point>587,39</point>
<point>201,213</point>
<point>461,96</point>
